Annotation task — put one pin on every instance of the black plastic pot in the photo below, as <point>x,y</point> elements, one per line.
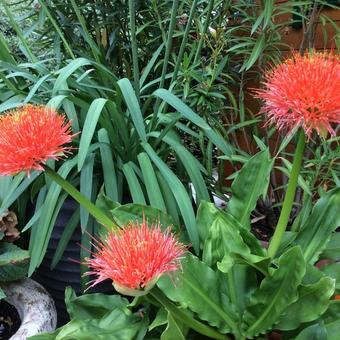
<point>67,272</point>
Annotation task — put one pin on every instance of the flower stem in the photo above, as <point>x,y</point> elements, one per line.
<point>289,197</point>
<point>184,317</point>
<point>98,214</point>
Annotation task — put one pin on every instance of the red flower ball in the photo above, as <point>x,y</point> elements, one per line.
<point>304,91</point>
<point>30,136</point>
<point>135,257</point>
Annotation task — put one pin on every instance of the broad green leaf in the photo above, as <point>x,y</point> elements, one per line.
<point>206,297</point>
<point>106,204</point>
<point>333,270</point>
<point>131,212</point>
<point>317,230</point>
<point>332,329</point>
<point>331,319</point>
<point>314,332</point>
<point>313,301</point>
<point>208,212</point>
<point>248,186</point>
<point>332,250</point>
<point>160,319</point>
<point>11,254</point>
<point>90,124</point>
<point>174,330</point>
<point>259,263</point>
<point>223,239</point>
<point>92,306</point>
<point>13,262</point>
<point>115,325</point>
<point>275,294</point>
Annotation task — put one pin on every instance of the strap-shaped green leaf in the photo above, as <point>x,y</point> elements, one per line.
<point>135,188</point>
<point>189,114</point>
<point>178,190</point>
<point>86,183</point>
<point>133,106</point>
<point>41,231</point>
<point>90,124</point>
<point>109,172</point>
<point>151,182</point>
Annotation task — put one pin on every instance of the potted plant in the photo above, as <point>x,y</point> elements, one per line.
<point>233,285</point>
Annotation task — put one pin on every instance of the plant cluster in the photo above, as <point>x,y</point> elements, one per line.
<point>129,108</point>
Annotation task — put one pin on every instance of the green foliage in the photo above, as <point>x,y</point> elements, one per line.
<point>247,188</point>
<point>313,301</point>
<point>207,298</point>
<point>151,140</point>
<point>284,294</point>
<point>275,294</point>
<point>13,263</point>
<point>105,317</point>
<point>323,220</point>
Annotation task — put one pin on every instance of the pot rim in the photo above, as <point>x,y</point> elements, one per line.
<point>34,304</point>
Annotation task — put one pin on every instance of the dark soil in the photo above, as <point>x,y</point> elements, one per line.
<point>263,224</point>
<point>9,320</point>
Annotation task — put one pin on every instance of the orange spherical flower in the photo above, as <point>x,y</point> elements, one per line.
<point>304,91</point>
<point>135,257</point>
<point>31,135</point>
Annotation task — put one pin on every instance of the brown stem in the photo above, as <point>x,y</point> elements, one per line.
<point>309,28</point>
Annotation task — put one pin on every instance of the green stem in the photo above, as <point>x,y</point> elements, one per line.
<point>289,197</point>
<point>18,31</point>
<point>185,318</point>
<point>205,29</point>
<point>58,30</point>
<point>184,42</point>
<point>99,215</point>
<point>132,15</point>
<point>169,42</point>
